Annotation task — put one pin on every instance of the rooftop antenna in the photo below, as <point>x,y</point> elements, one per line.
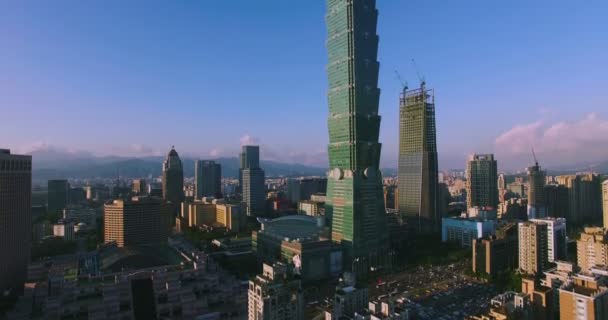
<point>420,77</point>
<point>403,83</point>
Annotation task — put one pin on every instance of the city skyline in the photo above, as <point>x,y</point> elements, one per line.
<point>164,72</point>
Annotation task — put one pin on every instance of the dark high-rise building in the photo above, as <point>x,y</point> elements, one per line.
<point>482,181</point>
<point>355,204</point>
<point>418,180</point>
<point>248,158</point>
<point>173,179</point>
<point>207,179</point>
<point>252,181</point>
<point>536,194</point>
<point>556,200</point>
<point>15,219</point>
<point>302,188</point>
<point>584,198</point>
<point>58,195</point>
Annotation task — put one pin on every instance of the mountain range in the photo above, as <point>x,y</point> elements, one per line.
<point>54,164</point>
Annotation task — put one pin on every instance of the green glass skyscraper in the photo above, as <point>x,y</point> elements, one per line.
<point>355,204</point>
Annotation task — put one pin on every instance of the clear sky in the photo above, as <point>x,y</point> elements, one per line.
<point>135,77</point>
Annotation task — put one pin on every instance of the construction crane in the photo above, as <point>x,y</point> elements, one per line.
<point>534,155</point>
<point>403,83</point>
<point>420,77</point>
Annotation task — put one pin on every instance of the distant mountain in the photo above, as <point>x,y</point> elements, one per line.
<point>55,165</point>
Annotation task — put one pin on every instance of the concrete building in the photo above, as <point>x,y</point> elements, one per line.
<point>506,306</point>
<point>487,213</point>
<point>557,240</point>
<point>139,187</point>
<point>463,231</point>
<point>495,254</point>
<point>253,177</point>
<point>355,204</point>
<point>605,203</point>
<point>207,179</point>
<point>64,229</point>
<point>15,219</point>
<point>583,297</point>
<point>592,249</point>
<point>58,195</point>
<point>196,290</point>
<point>533,247</point>
<point>301,189</point>
<point>311,208</point>
<point>391,197</point>
<point>536,192</point>
<point>556,277</point>
<point>299,240</point>
<point>137,221</point>
<point>482,181</point>
<point>584,198</point>
<point>349,299</point>
<point>556,200</point>
<point>275,295</point>
<point>173,180</point>
<point>212,214</point>
<point>418,164</point>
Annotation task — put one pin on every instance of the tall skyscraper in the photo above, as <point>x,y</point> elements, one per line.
<point>207,179</point>
<point>482,180</point>
<point>57,197</point>
<point>15,219</point>
<point>418,180</point>
<point>355,204</point>
<point>605,203</point>
<point>173,179</point>
<point>536,192</point>
<point>252,181</point>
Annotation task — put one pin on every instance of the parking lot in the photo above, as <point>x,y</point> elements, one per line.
<point>436,292</point>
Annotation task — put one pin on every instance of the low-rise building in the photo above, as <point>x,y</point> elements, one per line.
<point>494,254</point>
<point>584,297</point>
<point>311,208</point>
<point>64,229</point>
<point>275,295</point>
<point>301,240</point>
<point>463,230</point>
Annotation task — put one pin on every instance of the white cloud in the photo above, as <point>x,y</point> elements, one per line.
<point>565,142</point>
<point>215,152</point>
<point>248,140</point>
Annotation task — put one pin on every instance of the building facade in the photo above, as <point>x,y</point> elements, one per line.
<point>583,297</point>
<point>418,165</point>
<point>584,198</point>
<point>275,295</point>
<point>592,249</point>
<point>355,203</point>
<point>536,192</point>
<point>207,179</point>
<point>137,221</point>
<point>252,181</point>
<point>605,203</point>
<point>492,255</point>
<point>482,181</point>
<point>302,189</point>
<point>58,195</point>
<point>173,180</point>
<point>464,231</point>
<point>557,240</point>
<point>15,219</point>
<point>533,248</point>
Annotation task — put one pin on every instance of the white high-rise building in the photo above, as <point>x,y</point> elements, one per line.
<point>556,238</point>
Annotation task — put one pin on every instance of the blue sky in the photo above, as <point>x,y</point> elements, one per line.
<point>135,77</point>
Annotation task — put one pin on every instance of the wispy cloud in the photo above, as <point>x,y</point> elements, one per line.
<point>562,142</point>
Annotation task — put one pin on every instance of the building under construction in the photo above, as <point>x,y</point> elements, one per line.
<point>418,159</point>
